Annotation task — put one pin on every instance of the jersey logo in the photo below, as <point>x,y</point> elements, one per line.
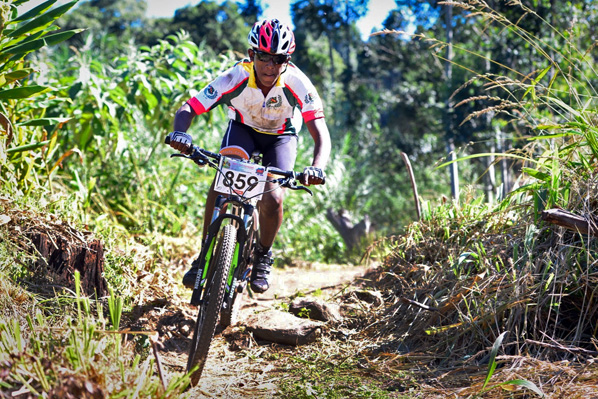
<point>274,102</point>
<point>210,92</point>
<point>309,98</point>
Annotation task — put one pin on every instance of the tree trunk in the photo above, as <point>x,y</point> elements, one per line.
<point>504,163</point>
<point>448,71</point>
<point>331,55</point>
<point>351,234</point>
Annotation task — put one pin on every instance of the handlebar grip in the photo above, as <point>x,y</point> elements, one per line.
<point>167,140</point>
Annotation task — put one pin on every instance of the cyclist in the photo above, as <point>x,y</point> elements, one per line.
<point>268,98</point>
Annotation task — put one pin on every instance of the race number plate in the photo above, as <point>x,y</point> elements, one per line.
<point>242,178</point>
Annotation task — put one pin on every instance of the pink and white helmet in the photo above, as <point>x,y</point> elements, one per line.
<point>272,36</point>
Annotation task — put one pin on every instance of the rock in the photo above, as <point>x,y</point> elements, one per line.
<point>283,328</point>
<point>316,309</point>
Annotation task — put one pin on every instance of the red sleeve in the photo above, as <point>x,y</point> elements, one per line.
<point>311,115</point>
<point>196,105</point>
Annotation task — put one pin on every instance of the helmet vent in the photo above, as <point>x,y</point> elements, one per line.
<point>272,36</point>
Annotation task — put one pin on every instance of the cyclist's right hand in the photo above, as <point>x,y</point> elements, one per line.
<point>180,141</point>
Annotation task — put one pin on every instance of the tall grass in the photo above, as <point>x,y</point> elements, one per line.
<point>78,354</point>
<point>471,271</point>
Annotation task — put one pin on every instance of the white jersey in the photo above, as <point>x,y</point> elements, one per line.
<point>293,99</point>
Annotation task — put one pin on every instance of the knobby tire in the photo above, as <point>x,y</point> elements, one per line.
<point>209,310</point>
<point>230,315</point>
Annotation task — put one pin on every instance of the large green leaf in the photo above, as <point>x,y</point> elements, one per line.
<point>23,92</point>
<point>44,122</point>
<point>34,12</point>
<point>42,21</point>
<point>27,147</point>
<point>537,174</point>
<point>19,41</point>
<point>44,41</point>
<point>13,76</point>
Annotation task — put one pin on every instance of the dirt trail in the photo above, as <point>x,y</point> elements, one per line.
<point>230,374</point>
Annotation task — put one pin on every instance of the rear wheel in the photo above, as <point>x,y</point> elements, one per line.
<point>209,310</point>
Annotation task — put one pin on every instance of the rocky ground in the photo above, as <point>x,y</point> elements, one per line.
<point>241,365</point>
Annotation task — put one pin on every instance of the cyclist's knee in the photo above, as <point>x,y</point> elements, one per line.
<point>272,200</point>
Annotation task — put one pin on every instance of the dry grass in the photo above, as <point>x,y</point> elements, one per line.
<point>454,282</point>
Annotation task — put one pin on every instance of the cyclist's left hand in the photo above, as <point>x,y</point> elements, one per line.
<point>313,175</point>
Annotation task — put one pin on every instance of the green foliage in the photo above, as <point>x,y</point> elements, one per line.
<point>101,17</point>
<point>115,308</point>
<point>219,27</point>
<point>25,151</point>
<point>554,102</point>
<point>482,269</point>
<point>216,27</point>
<point>124,109</point>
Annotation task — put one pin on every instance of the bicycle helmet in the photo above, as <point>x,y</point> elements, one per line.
<point>272,36</point>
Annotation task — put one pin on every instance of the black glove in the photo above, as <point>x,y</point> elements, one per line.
<point>180,141</point>
<point>313,175</point>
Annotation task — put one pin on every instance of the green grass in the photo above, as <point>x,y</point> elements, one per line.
<point>310,375</point>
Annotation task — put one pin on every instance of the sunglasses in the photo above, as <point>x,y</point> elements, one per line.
<point>277,59</point>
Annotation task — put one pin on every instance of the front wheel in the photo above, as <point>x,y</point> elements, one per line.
<point>209,310</point>
<point>230,313</point>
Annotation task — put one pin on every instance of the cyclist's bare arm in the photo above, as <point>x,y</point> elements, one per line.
<point>183,118</point>
<point>319,132</point>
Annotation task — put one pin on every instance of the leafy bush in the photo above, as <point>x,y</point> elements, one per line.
<point>28,152</point>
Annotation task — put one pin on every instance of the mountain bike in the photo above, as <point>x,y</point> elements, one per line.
<point>229,248</point>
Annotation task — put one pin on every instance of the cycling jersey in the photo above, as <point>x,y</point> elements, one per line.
<point>292,99</point>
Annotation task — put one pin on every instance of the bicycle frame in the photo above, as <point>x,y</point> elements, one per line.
<point>241,215</point>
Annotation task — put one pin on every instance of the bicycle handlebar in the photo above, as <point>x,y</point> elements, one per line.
<point>202,157</point>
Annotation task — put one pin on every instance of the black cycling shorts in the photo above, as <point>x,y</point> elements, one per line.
<point>241,140</point>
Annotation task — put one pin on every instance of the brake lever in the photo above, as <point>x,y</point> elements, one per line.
<point>305,189</point>
<point>294,186</point>
<point>180,155</point>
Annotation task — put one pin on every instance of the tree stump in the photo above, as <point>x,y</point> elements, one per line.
<point>62,257</point>
<point>571,221</point>
<point>351,234</point>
